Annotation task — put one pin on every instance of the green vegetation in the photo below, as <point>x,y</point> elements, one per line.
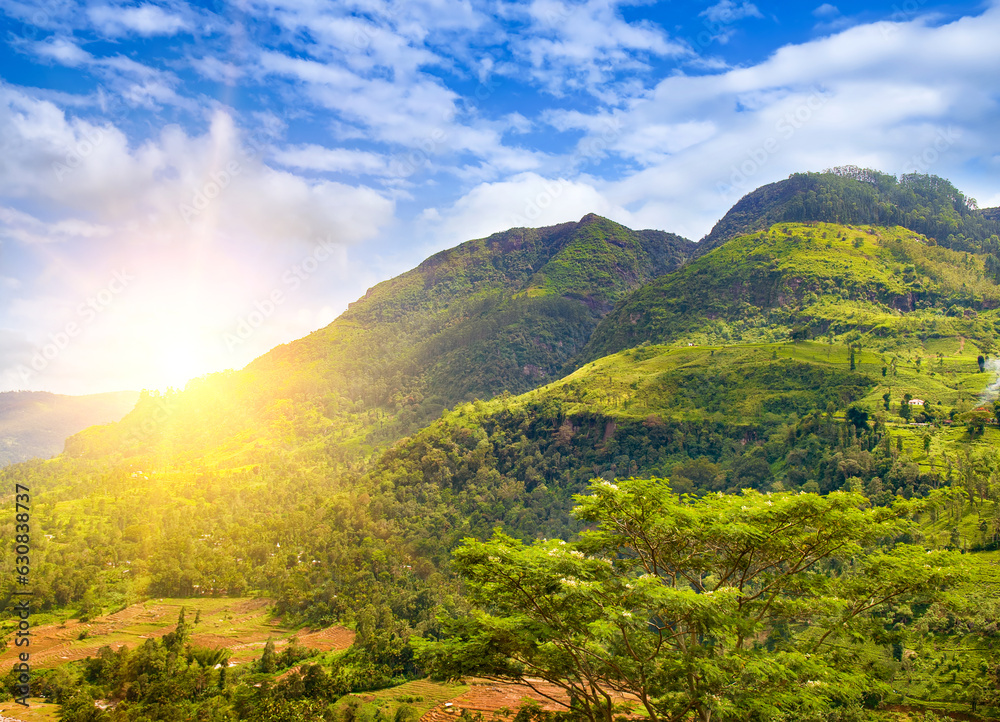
<point>925,204</point>
<point>881,288</point>
<point>337,475</point>
<point>735,607</point>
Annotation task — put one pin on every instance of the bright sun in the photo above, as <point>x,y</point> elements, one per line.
<point>176,356</point>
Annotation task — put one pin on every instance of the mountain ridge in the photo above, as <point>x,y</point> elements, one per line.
<point>36,424</point>
<point>926,204</point>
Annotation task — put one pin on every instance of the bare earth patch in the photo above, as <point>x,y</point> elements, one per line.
<point>492,697</point>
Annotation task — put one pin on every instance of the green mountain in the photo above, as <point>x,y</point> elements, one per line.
<point>336,474</point>
<point>887,288</point>
<point>35,424</point>
<point>494,314</point>
<point>926,204</point>
<point>503,313</point>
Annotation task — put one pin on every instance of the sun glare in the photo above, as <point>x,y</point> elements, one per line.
<point>175,356</point>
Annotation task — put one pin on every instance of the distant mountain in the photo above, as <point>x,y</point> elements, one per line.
<point>926,204</point>
<point>35,424</point>
<point>992,214</point>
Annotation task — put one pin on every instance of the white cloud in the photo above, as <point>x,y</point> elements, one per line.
<point>146,20</point>
<point>62,50</point>
<point>218,70</point>
<point>75,165</point>
<point>861,96</point>
<point>526,199</point>
<point>22,227</point>
<point>585,46</point>
<point>421,115</point>
<point>332,160</point>
<point>826,10</point>
<point>727,11</point>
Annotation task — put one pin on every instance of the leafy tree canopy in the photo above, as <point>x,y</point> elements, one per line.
<point>728,607</point>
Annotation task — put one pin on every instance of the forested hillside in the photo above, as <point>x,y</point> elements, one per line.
<point>885,288</point>
<point>926,204</point>
<point>843,369</point>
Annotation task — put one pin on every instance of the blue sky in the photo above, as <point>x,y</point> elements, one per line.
<point>185,186</point>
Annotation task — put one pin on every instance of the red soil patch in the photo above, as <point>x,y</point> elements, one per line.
<point>491,697</point>
<point>327,639</point>
<point>53,644</point>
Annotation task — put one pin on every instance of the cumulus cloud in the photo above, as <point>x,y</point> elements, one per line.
<point>826,11</point>
<point>175,182</point>
<point>861,96</point>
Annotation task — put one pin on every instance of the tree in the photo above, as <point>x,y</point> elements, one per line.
<point>175,640</point>
<point>717,607</point>
<point>858,417</point>
<point>268,660</point>
<point>904,407</point>
<point>975,421</point>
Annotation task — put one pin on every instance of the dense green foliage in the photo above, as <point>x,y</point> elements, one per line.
<point>926,204</point>
<point>725,607</point>
<point>782,361</point>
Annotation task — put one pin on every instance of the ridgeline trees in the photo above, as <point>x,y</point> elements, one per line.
<point>727,607</point>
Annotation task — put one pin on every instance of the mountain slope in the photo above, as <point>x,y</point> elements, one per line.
<point>879,286</point>
<point>503,313</point>
<point>500,313</point>
<point>35,424</point>
<point>926,204</point>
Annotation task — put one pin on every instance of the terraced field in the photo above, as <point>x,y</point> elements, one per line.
<point>242,626</point>
<point>494,700</point>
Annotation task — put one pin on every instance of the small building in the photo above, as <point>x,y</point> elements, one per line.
<point>916,402</point>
